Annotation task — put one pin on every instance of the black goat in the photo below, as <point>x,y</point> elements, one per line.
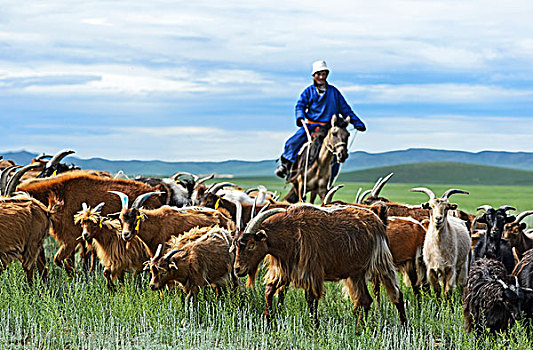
<point>524,272</point>
<point>492,298</point>
<point>491,245</point>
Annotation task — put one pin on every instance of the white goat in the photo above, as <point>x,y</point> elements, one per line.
<point>447,245</point>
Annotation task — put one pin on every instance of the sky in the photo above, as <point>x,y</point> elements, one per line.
<point>218,80</point>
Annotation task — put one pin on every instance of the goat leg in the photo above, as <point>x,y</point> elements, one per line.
<point>312,303</point>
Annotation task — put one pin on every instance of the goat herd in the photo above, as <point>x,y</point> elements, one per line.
<point>191,235</point>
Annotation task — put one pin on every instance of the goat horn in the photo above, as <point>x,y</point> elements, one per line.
<point>42,156</point>
<point>331,193</point>
<point>123,199</point>
<point>99,207</point>
<point>171,254</point>
<point>58,157</point>
<point>506,207</point>
<point>252,213</point>
<point>373,191</point>
<point>157,252</point>
<point>453,191</point>
<point>254,224</point>
<point>204,179</point>
<point>250,190</point>
<point>138,202</point>
<point>264,208</point>
<point>363,196</point>
<point>474,226</point>
<point>522,215</point>
<point>424,190</point>
<point>356,200</point>
<point>14,181</point>
<point>238,214</point>
<point>180,173</point>
<point>503,284</point>
<point>4,175</point>
<point>381,184</point>
<point>215,187</point>
<point>485,207</point>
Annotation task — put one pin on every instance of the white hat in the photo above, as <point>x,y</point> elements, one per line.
<point>319,66</point>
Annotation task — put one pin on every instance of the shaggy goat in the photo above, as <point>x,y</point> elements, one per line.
<point>447,244</point>
<point>73,189</point>
<point>24,224</point>
<point>311,245</point>
<point>195,262</point>
<point>116,255</point>
<point>492,298</point>
<point>491,245</point>
<point>156,226</point>
<point>524,272</point>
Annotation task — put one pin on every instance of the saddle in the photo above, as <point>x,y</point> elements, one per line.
<point>318,133</point>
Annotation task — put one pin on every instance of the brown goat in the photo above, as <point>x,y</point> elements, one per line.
<point>406,241</point>
<point>514,233</point>
<point>24,224</point>
<point>75,188</point>
<point>312,245</point>
<point>116,255</point>
<point>195,263</point>
<point>157,226</point>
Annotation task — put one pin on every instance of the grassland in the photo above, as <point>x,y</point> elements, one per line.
<point>79,312</point>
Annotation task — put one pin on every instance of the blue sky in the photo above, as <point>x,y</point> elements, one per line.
<point>217,80</point>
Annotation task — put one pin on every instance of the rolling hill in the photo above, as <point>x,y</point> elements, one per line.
<point>443,173</point>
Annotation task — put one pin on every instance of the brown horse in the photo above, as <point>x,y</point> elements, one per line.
<point>334,146</point>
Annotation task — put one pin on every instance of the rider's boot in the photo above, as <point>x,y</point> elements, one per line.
<point>283,168</point>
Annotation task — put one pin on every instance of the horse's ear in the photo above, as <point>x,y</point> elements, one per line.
<point>333,120</point>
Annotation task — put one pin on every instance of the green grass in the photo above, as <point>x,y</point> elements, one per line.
<point>79,312</point>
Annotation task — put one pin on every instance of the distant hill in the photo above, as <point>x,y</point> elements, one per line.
<point>444,173</point>
<point>357,161</point>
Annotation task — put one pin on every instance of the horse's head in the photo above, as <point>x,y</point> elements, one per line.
<point>337,139</point>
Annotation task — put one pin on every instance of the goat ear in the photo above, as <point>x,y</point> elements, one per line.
<point>453,206</point>
<point>482,219</point>
<point>426,206</point>
<point>523,226</point>
<point>113,215</point>
<point>260,235</point>
<point>510,218</point>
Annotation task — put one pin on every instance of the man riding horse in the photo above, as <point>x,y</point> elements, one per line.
<point>316,107</point>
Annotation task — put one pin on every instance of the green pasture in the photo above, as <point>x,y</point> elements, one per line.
<point>80,313</point>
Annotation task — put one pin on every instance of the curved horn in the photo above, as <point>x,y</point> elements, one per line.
<point>254,224</point>
<point>381,184</point>
<point>58,157</point>
<point>485,207</point>
<point>4,175</point>
<point>158,251</point>
<point>171,254</point>
<point>474,225</point>
<point>215,187</point>
<point>356,200</point>
<point>123,199</point>
<point>238,214</point>
<point>42,156</point>
<point>375,186</point>
<point>331,193</point>
<point>363,196</point>
<point>506,207</point>
<point>250,190</point>
<point>180,173</point>
<point>138,202</point>
<point>99,207</point>
<point>424,190</point>
<point>204,179</point>
<point>451,191</point>
<point>522,215</point>
<point>14,181</point>
<point>252,213</point>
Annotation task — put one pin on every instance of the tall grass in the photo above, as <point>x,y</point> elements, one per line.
<point>80,313</point>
